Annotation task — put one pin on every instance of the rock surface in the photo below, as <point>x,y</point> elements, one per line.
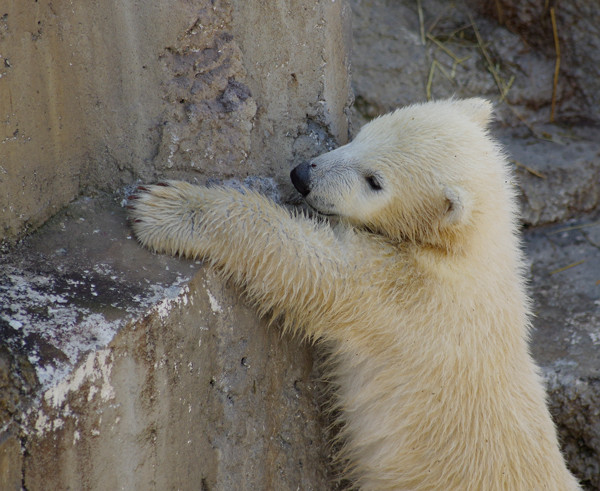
<point>576,30</point>
<point>565,282</point>
<point>408,51</point>
<point>559,173</point>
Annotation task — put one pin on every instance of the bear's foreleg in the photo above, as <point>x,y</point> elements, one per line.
<point>289,265</point>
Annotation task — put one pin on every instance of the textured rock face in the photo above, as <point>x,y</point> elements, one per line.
<point>558,175</point>
<point>99,95</point>
<point>439,49</point>
<point>565,279</point>
<point>576,30</point>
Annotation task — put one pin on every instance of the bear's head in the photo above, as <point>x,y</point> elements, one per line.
<point>423,173</point>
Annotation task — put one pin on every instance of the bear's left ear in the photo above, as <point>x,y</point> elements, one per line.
<point>477,109</point>
<point>457,205</point>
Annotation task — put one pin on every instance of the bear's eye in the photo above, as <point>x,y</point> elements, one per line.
<point>374,183</point>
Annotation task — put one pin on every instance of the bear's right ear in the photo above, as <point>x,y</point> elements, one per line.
<point>477,109</point>
<point>457,205</point>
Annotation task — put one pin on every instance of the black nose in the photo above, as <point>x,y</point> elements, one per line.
<point>300,176</point>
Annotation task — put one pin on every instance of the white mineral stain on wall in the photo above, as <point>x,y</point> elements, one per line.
<point>44,424</point>
<point>166,305</point>
<point>92,393</point>
<point>77,331</point>
<point>96,369</point>
<point>41,423</point>
<point>30,304</point>
<point>214,305</point>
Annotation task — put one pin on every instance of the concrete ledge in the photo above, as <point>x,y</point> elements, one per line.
<point>145,380</point>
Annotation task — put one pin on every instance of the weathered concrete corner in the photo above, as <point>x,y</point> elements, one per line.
<point>136,370</point>
<point>186,398</point>
<point>69,288</point>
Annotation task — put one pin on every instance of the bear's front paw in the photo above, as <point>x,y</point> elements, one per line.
<point>162,215</point>
<point>137,203</point>
<point>148,202</point>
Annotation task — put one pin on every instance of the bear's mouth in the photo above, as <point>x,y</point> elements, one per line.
<point>325,214</point>
<point>319,210</point>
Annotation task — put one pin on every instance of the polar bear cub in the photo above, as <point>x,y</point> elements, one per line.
<point>418,291</point>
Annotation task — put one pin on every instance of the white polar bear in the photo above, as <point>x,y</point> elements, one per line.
<point>418,292</point>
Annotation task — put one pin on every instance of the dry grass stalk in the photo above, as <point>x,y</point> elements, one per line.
<point>435,64</point>
<point>440,45</point>
<point>564,268</point>
<point>557,64</point>
<point>499,12</point>
<point>575,227</point>
<point>502,87</point>
<point>421,22</point>
<point>529,169</point>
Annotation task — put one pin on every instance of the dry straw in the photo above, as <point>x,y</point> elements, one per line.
<point>556,65</point>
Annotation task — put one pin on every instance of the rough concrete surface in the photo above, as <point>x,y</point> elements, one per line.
<point>115,373</point>
<point>95,96</point>
<point>147,381</point>
<point>79,100</point>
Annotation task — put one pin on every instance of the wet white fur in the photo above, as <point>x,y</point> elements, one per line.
<point>419,292</point>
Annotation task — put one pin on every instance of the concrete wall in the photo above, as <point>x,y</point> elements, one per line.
<point>121,369</point>
<point>195,395</point>
<point>97,95</point>
<point>113,373</point>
